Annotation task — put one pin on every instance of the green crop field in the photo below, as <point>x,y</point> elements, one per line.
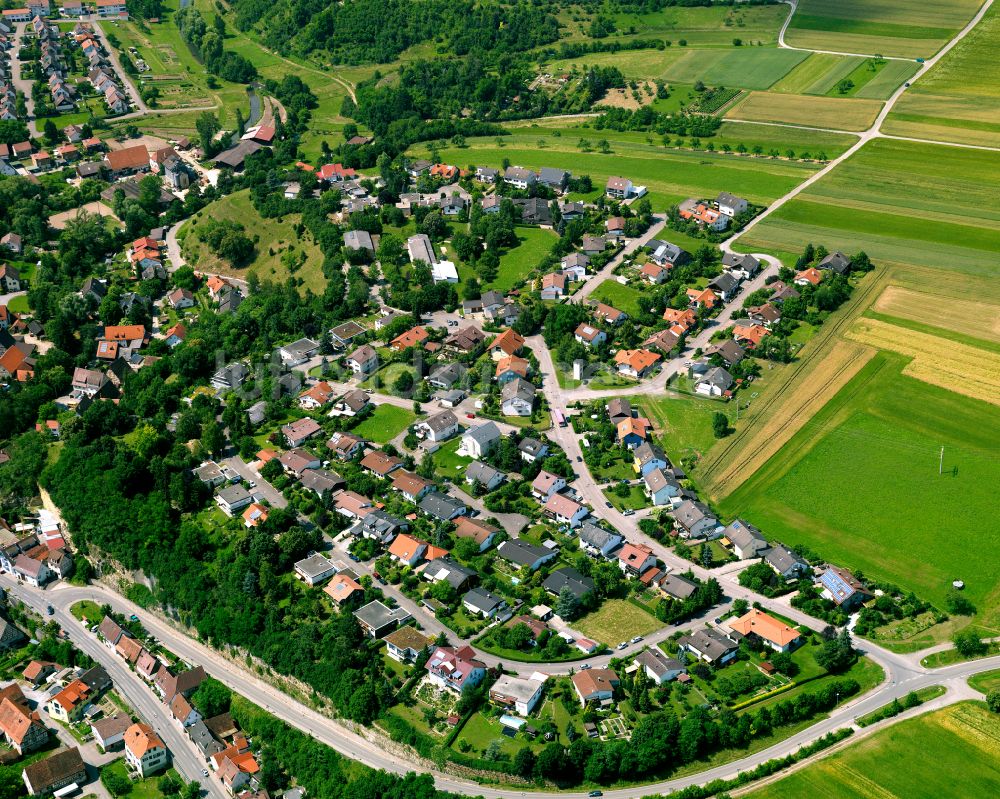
<point>670,175</point>
<point>889,78</point>
<point>859,483</point>
<point>387,422</point>
<point>957,99</point>
<point>684,423</point>
<point>986,681</point>
<point>817,74</point>
<point>835,113</point>
<point>896,762</point>
<point>901,202</point>
<point>741,67</point>
<point>277,237</point>
<point>906,28</point>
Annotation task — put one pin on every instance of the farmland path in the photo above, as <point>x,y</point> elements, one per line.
<point>793,6</point>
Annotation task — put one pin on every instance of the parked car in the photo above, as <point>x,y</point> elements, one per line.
<point>622,645</point>
<point>596,793</point>
<point>637,639</point>
<point>50,610</point>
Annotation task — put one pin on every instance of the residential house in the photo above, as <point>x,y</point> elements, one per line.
<point>660,668</point>
<point>379,463</point>
<point>532,449</point>
<point>144,751</point>
<point>300,431</point>
<point>298,352</point>
<point>465,341</point>
<point>615,226</point>
<point>661,487</point>
<point>405,644</point>
<point>344,590</point>
<point>648,456</point>
<point>345,446</point>
<point>730,204</point>
<point>653,273</point>
<point>183,712</point>
<point>728,350</point>
<point>506,344</point>
<point>318,396</point>
<point>517,398</point>
<point>808,277</point>
<point>10,279</point>
<point>169,685</point>
<point>712,645</point>
<point>694,519</point>
<point>769,630</point>
<point>595,685</point>
<point>767,314</point>
<point>590,336</point>
<point>511,368</point>
<point>518,694</point>
<point>564,510</point>
<point>519,177</point>
<point>749,336</point>
<point>619,188</point>
<point>597,541</point>
<point>477,442</point>
<point>786,563</point>
<point>457,576</point>
<point>363,361</point>
<point>321,481</point>
<point>725,286</point>
<point>667,254</point>
<point>442,507</point>
<point>455,669</point>
<point>378,620</point>
<point>703,214</point>
<point>618,410</point>
<point>109,732</point>
<point>407,550</point>
<point>481,532</point>
<point>714,383</point>
<point>574,266</point>
<point>233,498</point>
<point>296,461</point>
<point>315,569</point>
<point>254,514</point>
<point>352,505</point>
<point>568,579</point>
<point>747,541</point>
<point>20,727</point>
<point>439,427</point>
<point>835,262</point>
<point>127,161</point>
<point>546,485</point>
<point>55,772</point>
<point>609,315</point>
<point>742,266</point>
<point>412,486</point>
<point>447,375</point>
<point>633,432</point>
<point>414,337</point>
<point>634,559</point>
<point>525,555</point>
<point>843,588</point>
<point>479,473</point>
<point>702,298</point>
<point>553,286</point>
<point>592,245</point>
<point>480,602</point>
<point>636,363</point>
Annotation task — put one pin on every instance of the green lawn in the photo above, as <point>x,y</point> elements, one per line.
<point>19,304</point>
<point>277,243</point>
<point>986,681</point>
<point>900,202</point>
<point>624,298</point>
<point>616,620</point>
<point>385,377</point>
<point>950,752</point>
<point>684,423</point>
<point>387,422</point>
<point>142,789</point>
<point>87,609</point>
<point>449,463</point>
<point>635,500</point>
<point>860,485</point>
<point>908,28</point>
<point>516,263</point>
<point>951,656</point>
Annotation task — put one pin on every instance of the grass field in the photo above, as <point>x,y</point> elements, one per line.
<point>901,202</point>
<point>740,67</point>
<point>859,483</point>
<point>277,237</point>
<point>964,739</point>
<point>515,264</point>
<point>819,73</point>
<point>684,423</point>
<point>387,422</point>
<point>956,100</point>
<point>616,620</point>
<point>835,113</point>
<point>713,26</point>
<point>624,298</point>
<point>906,28</point>
<point>670,175</point>
<point>986,681</point>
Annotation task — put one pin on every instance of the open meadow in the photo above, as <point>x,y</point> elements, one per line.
<point>835,113</point>
<point>616,620</point>
<point>902,203</point>
<point>860,484</point>
<point>957,99</point>
<point>896,763</point>
<point>278,242</point>
<point>902,28</point>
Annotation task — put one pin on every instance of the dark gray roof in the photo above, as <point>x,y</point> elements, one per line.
<point>453,573</point>
<point>836,262</point>
<point>523,553</point>
<point>657,662</point>
<point>597,537</point>
<point>442,506</point>
<point>483,472</point>
<point>484,434</point>
<point>531,446</point>
<point>678,587</point>
<point>203,739</point>
<point>724,283</point>
<point>742,534</point>
<point>568,578</point>
<point>376,615</point>
<point>782,559</point>
<point>482,600</point>
<point>710,642</point>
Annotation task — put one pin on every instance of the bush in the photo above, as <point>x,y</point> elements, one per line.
<point>117,784</point>
<point>969,644</point>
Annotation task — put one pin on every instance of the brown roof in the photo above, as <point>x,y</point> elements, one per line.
<point>767,627</point>
<point>593,680</point>
<point>380,462</point>
<point>111,725</point>
<point>128,158</point>
<point>140,738</point>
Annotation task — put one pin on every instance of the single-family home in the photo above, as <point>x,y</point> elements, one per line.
<point>730,204</point>
<point>661,486</point>
<point>439,427</point>
<point>407,550</point>
<point>568,579</point>
<point>598,541</point>
<point>712,645</point>
<point>57,771</point>
<point>786,562</point>
<point>747,541</point>
<point>481,532</point>
<point>479,473</point>
<point>477,442</point>
<point>412,486</point>
<point>843,588</point>
<point>714,383</point>
<point>636,363</point>
<point>480,602</point>
<point>442,507</point>
<point>776,634</point>
<point>300,431</point>
<point>363,361</point>
<point>517,398</point>
<point>553,286</point>
<point>694,519</point>
<point>634,559</point>
<point>315,569</point>
<point>518,694</point>
<point>590,336</point>
<point>145,753</point>
<point>660,668</point>
<point>378,620</point>
<point>595,685</point>
<point>405,644</point>
<point>564,510</point>
<point>455,669</point>
<point>344,590</point>
<point>524,554</point>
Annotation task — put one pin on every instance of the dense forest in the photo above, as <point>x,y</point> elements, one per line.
<point>378,31</point>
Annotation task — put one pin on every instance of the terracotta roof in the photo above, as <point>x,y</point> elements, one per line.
<point>508,341</point>
<point>140,738</point>
<point>128,158</point>
<point>638,360</point>
<point>767,627</point>
<point>342,587</point>
<point>411,338</point>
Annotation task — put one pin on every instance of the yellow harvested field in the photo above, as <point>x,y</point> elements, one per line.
<point>969,317</point>
<point>832,370</point>
<point>834,113</point>
<point>956,367</point>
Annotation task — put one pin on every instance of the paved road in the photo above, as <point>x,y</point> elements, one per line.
<point>349,743</point>
<point>21,82</point>
<point>139,695</point>
<point>606,272</point>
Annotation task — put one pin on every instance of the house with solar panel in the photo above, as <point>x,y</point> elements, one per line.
<point>843,588</point>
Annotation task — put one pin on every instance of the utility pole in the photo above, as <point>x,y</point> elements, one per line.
<point>941,463</point>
